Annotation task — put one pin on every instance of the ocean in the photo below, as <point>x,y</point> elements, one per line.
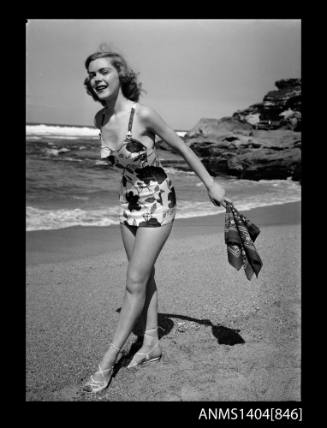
<point>68,185</point>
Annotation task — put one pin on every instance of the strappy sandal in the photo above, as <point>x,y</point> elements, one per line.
<point>93,386</point>
<point>146,357</point>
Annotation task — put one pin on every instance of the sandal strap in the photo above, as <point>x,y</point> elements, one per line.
<point>112,345</point>
<point>155,329</point>
<point>94,382</point>
<point>151,329</point>
<point>102,371</point>
<point>147,354</point>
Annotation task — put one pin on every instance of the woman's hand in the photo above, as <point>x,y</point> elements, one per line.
<point>217,194</point>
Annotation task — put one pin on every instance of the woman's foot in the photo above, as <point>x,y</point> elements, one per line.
<point>150,350</point>
<point>100,380</point>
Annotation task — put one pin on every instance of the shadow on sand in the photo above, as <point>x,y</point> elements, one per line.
<point>224,335</point>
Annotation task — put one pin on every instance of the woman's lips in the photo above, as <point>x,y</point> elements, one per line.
<point>101,88</point>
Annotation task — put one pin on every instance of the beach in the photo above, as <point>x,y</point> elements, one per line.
<point>224,338</point>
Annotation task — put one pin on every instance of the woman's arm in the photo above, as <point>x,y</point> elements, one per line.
<point>156,124</point>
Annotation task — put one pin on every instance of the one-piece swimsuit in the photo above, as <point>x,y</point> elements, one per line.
<point>147,196</point>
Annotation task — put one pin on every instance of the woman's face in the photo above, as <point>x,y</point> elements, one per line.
<point>104,78</point>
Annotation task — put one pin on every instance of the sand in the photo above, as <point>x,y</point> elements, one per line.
<point>224,338</point>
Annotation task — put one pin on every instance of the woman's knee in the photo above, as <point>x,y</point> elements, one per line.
<point>136,280</point>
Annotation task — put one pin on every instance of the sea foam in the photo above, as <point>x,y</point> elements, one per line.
<point>64,131</point>
<point>61,131</point>
<point>48,219</point>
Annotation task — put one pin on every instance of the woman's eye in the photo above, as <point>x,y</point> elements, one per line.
<point>103,71</point>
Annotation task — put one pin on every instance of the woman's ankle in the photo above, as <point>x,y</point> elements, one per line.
<point>110,357</point>
<point>107,362</point>
<point>150,338</point>
<point>151,331</point>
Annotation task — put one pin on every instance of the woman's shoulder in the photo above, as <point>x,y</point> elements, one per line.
<point>144,112</point>
<point>150,118</point>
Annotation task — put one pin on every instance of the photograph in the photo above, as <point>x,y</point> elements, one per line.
<point>163,212</point>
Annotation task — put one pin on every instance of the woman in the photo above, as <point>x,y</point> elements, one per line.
<point>147,198</point>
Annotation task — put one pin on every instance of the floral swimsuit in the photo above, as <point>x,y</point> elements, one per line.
<point>147,196</point>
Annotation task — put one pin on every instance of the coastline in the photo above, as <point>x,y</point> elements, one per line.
<point>77,242</point>
<point>74,287</point>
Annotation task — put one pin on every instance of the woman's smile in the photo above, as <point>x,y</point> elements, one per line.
<point>99,88</point>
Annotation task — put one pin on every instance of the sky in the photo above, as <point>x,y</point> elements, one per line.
<point>190,68</point>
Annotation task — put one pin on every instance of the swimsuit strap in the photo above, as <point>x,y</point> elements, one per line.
<point>130,123</point>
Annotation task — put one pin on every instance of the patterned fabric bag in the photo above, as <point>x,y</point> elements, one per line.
<point>240,233</point>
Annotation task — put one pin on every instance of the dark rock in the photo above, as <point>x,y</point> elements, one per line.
<point>264,155</point>
<point>232,138</point>
<point>288,83</point>
<point>286,97</point>
<point>269,164</point>
<point>260,142</point>
<point>265,164</point>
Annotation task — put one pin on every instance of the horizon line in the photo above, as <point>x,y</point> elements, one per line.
<point>73,126</point>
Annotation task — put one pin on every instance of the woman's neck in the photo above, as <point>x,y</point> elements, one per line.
<point>116,105</point>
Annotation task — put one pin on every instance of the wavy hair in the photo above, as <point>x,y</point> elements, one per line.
<point>130,86</point>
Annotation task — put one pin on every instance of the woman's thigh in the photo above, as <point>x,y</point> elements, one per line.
<point>148,243</point>
<point>128,234</point>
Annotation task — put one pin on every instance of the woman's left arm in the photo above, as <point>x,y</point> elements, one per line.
<point>156,124</point>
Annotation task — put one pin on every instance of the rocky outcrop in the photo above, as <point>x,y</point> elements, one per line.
<point>281,108</point>
<point>261,142</point>
<point>259,155</point>
<point>216,129</point>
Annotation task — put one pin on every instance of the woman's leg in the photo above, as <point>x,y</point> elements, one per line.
<point>149,316</point>
<point>147,246</point>
<point>150,345</point>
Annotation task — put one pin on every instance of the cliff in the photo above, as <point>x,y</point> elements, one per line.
<point>281,108</point>
<point>260,142</point>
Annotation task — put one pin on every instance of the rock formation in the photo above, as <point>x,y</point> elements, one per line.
<point>260,142</point>
<point>271,111</point>
<point>261,155</point>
